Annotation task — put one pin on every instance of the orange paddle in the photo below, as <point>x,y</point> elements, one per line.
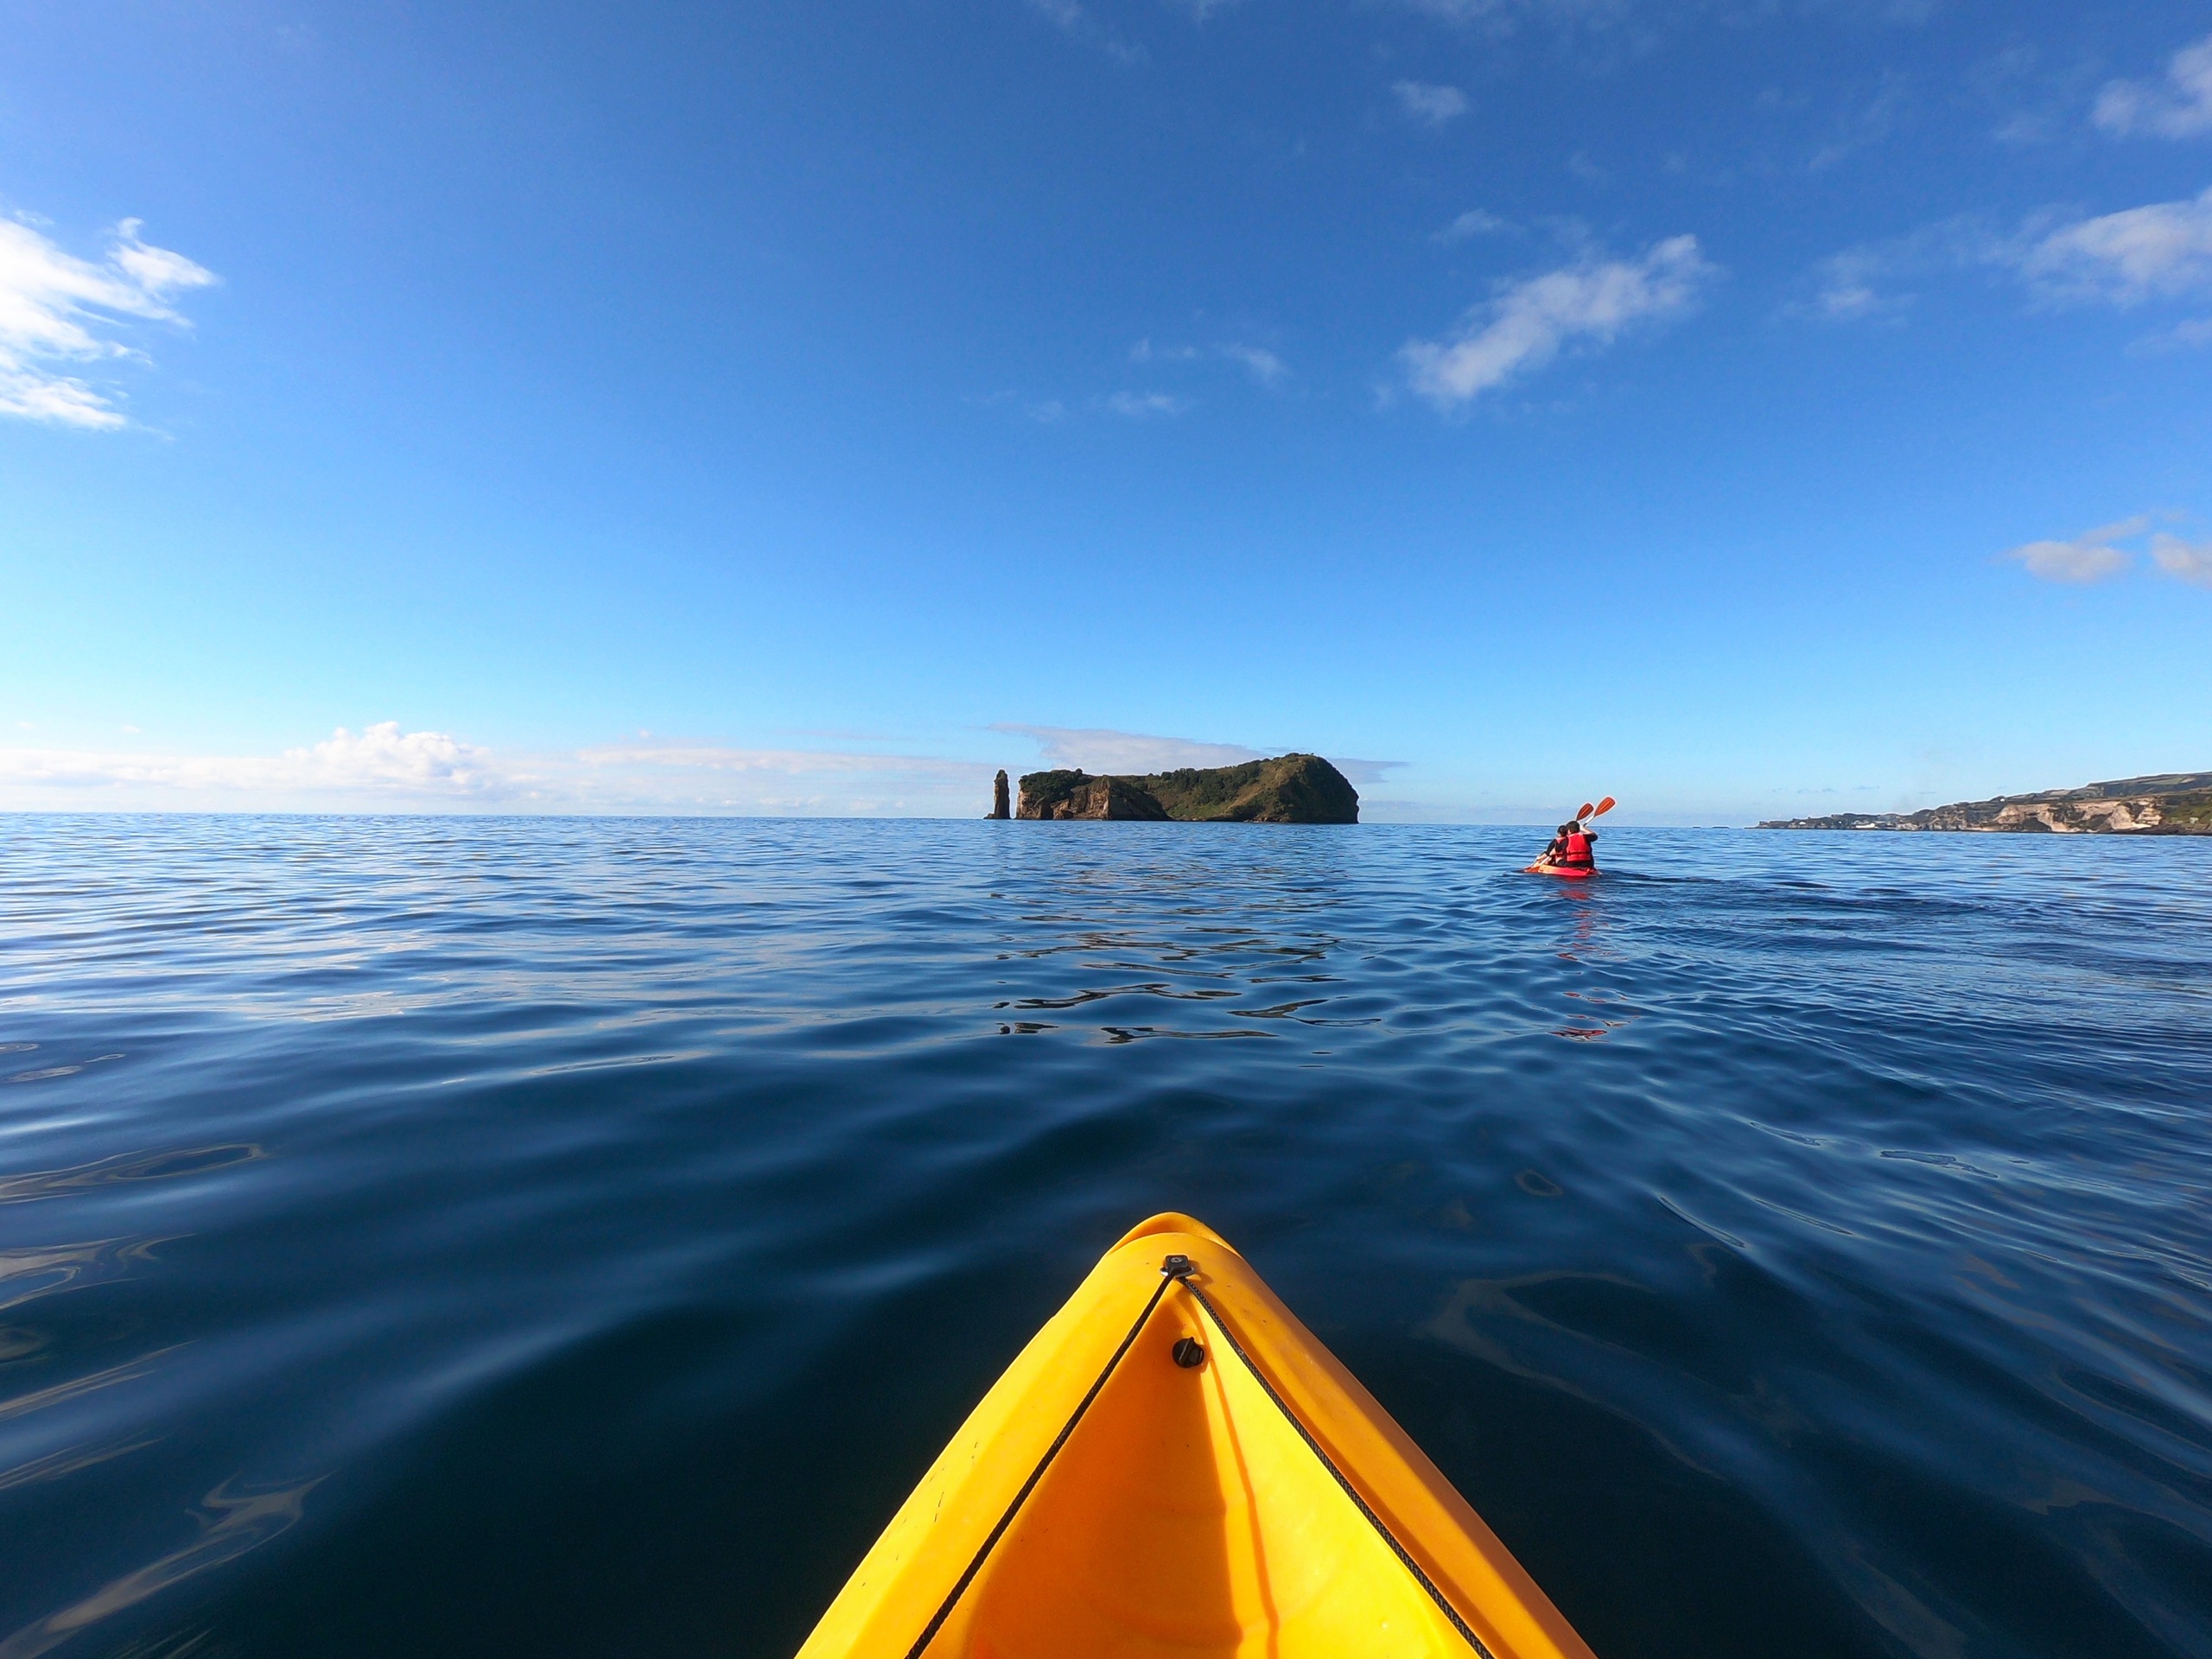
<point>1603,807</point>
<point>1584,813</point>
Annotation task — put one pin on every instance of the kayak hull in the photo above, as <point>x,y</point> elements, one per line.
<point>1563,873</point>
<point>1184,1513</point>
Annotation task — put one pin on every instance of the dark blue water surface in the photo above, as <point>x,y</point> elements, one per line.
<point>436,1237</point>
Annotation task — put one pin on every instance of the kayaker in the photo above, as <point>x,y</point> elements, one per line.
<point>1571,850</point>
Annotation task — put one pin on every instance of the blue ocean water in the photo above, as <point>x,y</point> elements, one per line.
<point>442,1236</point>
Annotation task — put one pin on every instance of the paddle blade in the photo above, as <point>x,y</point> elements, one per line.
<point>1603,807</point>
<point>1583,813</point>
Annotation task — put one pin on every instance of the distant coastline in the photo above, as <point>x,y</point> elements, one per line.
<point>2163,803</point>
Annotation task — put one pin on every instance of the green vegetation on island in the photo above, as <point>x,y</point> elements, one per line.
<point>2164,804</point>
<point>1288,789</point>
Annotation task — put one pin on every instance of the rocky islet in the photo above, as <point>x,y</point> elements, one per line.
<point>1288,789</point>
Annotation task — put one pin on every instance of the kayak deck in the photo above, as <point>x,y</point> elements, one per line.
<point>1184,1512</point>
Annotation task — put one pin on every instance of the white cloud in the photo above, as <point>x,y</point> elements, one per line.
<point>2161,250</point>
<point>1263,366</point>
<point>57,309</point>
<point>385,769</point>
<point>1499,17</point>
<point>1857,283</point>
<point>2095,555</point>
<point>2087,557</point>
<point>2185,336</point>
<point>2178,107</point>
<point>1070,17</point>
<point>1097,749</point>
<point>1366,772</point>
<point>1868,125</point>
<point>1138,405</point>
<point>2184,561</point>
<point>381,759</point>
<point>726,777</point>
<point>1100,749</point>
<point>384,756</point>
<point>1529,321</point>
<point>718,756</point>
<point>1474,222</point>
<point>1432,105</point>
<point>1847,292</point>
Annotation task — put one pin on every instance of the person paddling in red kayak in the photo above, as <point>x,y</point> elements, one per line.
<point>1573,850</point>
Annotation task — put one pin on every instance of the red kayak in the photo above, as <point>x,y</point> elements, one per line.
<point>1560,870</point>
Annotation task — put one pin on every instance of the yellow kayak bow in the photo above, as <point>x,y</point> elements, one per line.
<point>1175,1466</point>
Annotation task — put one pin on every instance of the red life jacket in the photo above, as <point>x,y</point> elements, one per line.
<point>1575,855</point>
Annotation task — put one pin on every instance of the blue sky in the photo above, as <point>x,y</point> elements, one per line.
<point>1740,409</point>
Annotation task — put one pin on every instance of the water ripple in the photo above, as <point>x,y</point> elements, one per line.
<point>587,1230</point>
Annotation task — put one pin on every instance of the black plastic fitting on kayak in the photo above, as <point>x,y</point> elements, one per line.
<point>1178,1267</point>
<point>1189,1351</point>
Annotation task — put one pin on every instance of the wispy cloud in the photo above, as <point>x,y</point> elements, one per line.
<point>1864,282</point>
<point>2160,250</point>
<point>2163,250</point>
<point>2179,106</point>
<point>1263,366</point>
<point>2187,335</point>
<point>1070,17</point>
<point>1871,122</point>
<point>1472,223</point>
<point>58,311</point>
<point>1142,405</point>
<point>1529,322</point>
<point>1848,290</point>
<point>831,781</point>
<point>1366,772</point>
<point>2098,555</point>
<point>382,768</point>
<point>2082,559</point>
<point>1501,16</point>
<point>1097,749</point>
<point>1638,25</point>
<point>1430,105</point>
<point>2190,562</point>
<point>1101,749</point>
<point>381,759</point>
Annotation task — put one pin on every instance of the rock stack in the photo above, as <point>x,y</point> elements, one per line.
<point>1000,807</point>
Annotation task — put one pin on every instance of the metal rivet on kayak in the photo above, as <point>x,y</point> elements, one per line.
<point>1189,1351</point>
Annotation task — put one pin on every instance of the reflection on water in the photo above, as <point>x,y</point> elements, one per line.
<point>571,1237</point>
<point>129,1166</point>
<point>232,1521</point>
